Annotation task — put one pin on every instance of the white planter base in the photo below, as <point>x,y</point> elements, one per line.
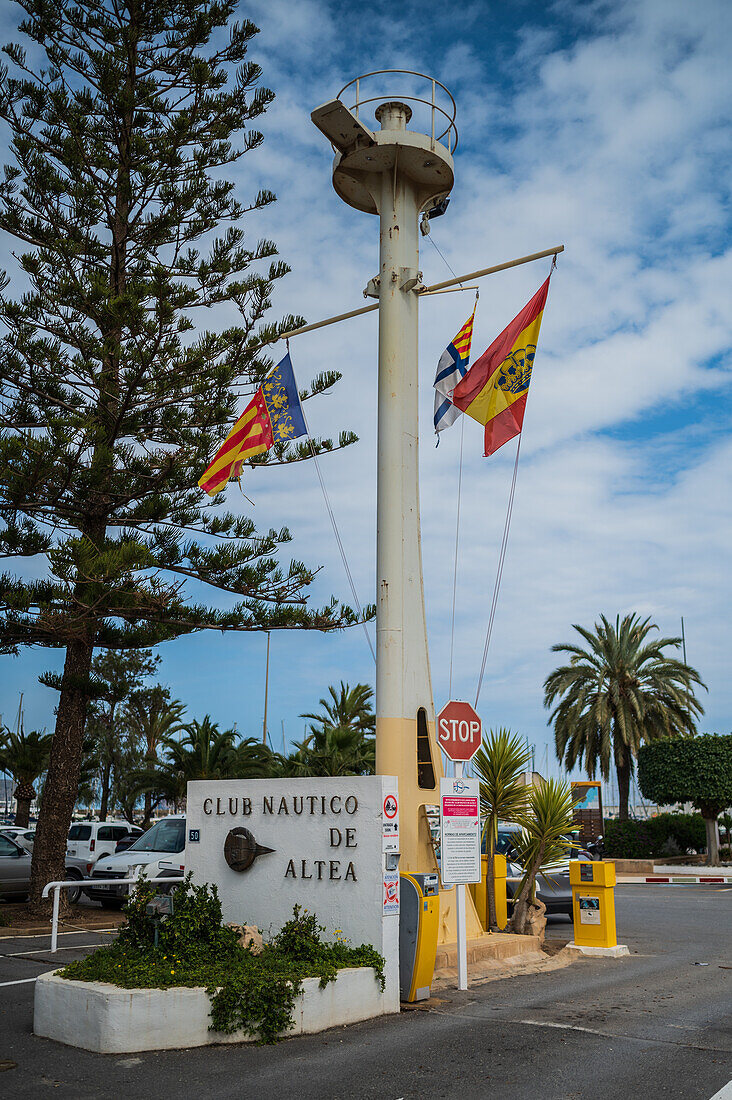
<point>616,952</point>
<point>109,1020</point>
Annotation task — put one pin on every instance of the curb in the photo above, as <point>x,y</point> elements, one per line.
<point>673,880</point>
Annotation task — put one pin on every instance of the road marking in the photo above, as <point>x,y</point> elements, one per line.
<point>725,1093</point>
<point>45,950</point>
<point>566,1027</point>
<point>653,1040</point>
<point>47,935</point>
<point>20,981</point>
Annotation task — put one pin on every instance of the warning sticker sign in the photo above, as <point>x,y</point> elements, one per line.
<point>391,807</point>
<point>391,892</point>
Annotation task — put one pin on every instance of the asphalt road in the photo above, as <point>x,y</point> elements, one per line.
<point>655,1025</point>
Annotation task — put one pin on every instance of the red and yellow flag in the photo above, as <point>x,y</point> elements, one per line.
<point>251,435</point>
<point>495,389</point>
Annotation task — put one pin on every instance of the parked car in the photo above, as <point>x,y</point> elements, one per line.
<point>153,851</point>
<point>15,869</point>
<point>24,837</point>
<point>552,888</point>
<point>92,840</point>
<point>15,864</point>
<point>127,841</point>
<point>78,869</point>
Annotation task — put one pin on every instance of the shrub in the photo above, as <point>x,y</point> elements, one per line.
<point>655,836</point>
<point>628,840</point>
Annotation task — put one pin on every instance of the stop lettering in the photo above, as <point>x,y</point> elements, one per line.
<point>459,730</point>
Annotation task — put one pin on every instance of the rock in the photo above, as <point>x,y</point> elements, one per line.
<point>536,920</point>
<point>530,920</point>
<point>248,936</point>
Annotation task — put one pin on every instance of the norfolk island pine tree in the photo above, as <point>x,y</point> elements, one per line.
<point>122,120</point>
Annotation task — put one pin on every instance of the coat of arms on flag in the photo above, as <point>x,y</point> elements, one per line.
<point>494,390</point>
<point>274,415</point>
<point>451,368</point>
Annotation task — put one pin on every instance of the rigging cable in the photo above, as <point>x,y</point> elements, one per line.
<point>338,538</point>
<point>457,535</point>
<point>504,545</point>
<point>499,571</point>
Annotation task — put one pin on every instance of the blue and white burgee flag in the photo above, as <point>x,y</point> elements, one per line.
<point>453,365</point>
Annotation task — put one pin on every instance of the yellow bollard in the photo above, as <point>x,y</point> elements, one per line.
<point>593,908</point>
<point>500,872</point>
<point>480,894</point>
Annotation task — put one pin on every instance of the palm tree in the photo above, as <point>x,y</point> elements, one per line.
<point>349,708</point>
<point>152,717</point>
<point>25,757</point>
<point>499,764</point>
<point>254,760</point>
<point>333,751</point>
<point>618,692</point>
<point>542,843</point>
<point>209,753</point>
<point>340,741</point>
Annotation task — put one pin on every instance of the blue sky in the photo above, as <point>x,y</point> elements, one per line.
<point>602,126</point>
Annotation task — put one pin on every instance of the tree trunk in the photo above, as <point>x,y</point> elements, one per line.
<point>710,824</point>
<point>525,900</point>
<point>62,781</point>
<point>622,768</point>
<point>148,809</point>
<point>24,795</point>
<point>490,893</point>
<point>106,777</point>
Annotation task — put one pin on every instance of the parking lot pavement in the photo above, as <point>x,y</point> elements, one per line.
<point>656,1025</point>
<point>25,957</point>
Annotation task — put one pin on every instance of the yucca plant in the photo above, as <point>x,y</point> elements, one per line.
<point>499,764</point>
<point>541,842</point>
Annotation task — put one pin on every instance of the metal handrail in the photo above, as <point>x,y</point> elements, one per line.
<point>57,887</point>
<point>432,104</point>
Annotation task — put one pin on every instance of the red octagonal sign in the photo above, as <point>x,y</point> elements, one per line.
<point>459,730</point>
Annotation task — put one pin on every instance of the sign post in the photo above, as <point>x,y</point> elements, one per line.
<point>459,734</point>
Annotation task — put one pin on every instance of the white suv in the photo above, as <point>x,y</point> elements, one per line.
<point>156,851</point>
<point>92,840</point>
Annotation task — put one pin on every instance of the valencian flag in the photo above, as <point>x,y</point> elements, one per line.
<point>453,366</point>
<point>495,388</point>
<point>273,415</point>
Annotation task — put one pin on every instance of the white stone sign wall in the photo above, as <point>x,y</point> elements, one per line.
<point>329,841</point>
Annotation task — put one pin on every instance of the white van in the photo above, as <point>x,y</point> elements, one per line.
<point>92,840</point>
<point>155,850</point>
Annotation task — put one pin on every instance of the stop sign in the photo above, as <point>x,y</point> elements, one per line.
<point>459,730</point>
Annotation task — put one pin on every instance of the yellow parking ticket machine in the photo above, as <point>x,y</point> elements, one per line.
<point>419,918</point>
<point>593,903</point>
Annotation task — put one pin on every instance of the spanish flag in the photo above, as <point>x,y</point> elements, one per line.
<point>495,389</point>
<point>274,414</point>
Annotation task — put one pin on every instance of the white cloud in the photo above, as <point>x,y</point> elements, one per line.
<point>601,126</point>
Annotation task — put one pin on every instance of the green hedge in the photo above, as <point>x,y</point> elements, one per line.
<point>665,834</point>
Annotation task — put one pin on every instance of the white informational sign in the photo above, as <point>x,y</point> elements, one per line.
<point>460,830</point>
<point>589,910</point>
